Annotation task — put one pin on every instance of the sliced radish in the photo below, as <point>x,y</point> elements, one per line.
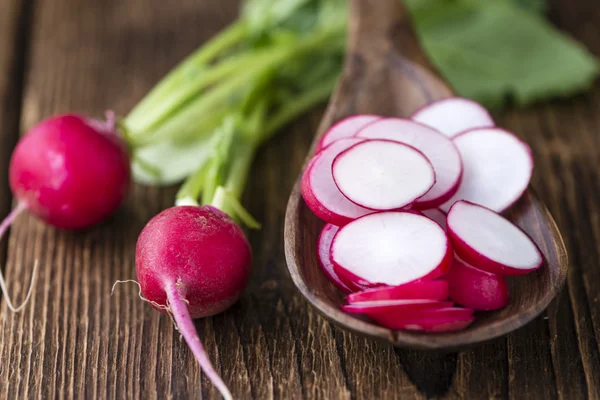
<point>426,324</point>
<point>489,241</point>
<point>399,320</point>
<point>347,127</point>
<point>431,290</point>
<point>320,192</point>
<point>438,149</point>
<point>323,254</point>
<point>391,248</point>
<point>477,289</point>
<point>394,306</point>
<point>382,174</point>
<point>437,215</point>
<point>497,168</point>
<point>454,115</point>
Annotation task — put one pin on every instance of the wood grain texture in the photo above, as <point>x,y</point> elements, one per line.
<point>76,341</point>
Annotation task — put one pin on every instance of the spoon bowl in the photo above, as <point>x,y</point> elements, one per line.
<point>387,73</point>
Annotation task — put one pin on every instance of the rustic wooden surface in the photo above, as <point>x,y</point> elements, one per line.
<point>77,341</point>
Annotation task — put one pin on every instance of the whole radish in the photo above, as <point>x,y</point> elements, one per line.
<point>193,262</point>
<point>70,171</point>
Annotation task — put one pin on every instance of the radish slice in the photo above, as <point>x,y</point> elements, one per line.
<point>320,192</point>
<point>480,290</point>
<point>391,248</point>
<point>497,168</point>
<point>426,324</point>
<point>489,241</point>
<point>437,215</point>
<point>382,174</point>
<point>394,306</point>
<point>400,320</point>
<point>438,149</point>
<point>323,254</point>
<point>347,127</point>
<point>454,115</point>
<point>431,290</point>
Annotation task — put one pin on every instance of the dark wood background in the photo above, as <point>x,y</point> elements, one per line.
<point>75,340</point>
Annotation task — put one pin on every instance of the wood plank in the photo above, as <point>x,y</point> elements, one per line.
<point>14,27</point>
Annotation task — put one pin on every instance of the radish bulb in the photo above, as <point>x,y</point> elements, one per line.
<point>193,262</point>
<point>70,171</point>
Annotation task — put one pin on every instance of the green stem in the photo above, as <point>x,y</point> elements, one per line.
<point>142,116</point>
<point>301,104</point>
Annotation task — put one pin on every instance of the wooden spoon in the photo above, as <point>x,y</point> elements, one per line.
<point>386,72</point>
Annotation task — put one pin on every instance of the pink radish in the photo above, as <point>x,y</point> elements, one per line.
<point>438,149</point>
<point>431,290</point>
<point>425,323</point>
<point>347,127</point>
<point>394,306</point>
<point>382,174</point>
<point>480,290</point>
<point>320,192</point>
<point>70,171</point>
<point>193,262</point>
<point>489,241</point>
<point>436,215</point>
<point>391,248</point>
<point>454,115</point>
<point>497,168</point>
<point>323,254</point>
<point>399,320</point>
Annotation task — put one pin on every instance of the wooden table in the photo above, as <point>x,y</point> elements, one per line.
<point>75,340</point>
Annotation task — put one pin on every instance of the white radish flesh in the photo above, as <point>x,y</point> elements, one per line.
<point>391,248</point>
<point>454,115</point>
<point>347,127</point>
<point>324,256</point>
<point>439,150</point>
<point>431,290</point>
<point>436,215</point>
<point>490,242</point>
<point>497,168</point>
<point>477,289</point>
<point>394,306</point>
<point>382,174</point>
<point>320,192</point>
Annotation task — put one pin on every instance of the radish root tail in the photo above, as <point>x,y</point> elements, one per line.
<point>179,308</point>
<point>10,218</point>
<point>155,304</point>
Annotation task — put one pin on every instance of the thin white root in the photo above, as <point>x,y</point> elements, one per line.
<point>155,304</point>
<point>29,292</point>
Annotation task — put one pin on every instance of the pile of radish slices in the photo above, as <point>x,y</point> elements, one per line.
<point>413,231</point>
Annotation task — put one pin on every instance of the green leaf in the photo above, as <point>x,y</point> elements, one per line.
<point>167,162</point>
<point>494,51</point>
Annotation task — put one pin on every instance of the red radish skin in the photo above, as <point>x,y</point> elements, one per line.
<point>383,174</point>
<point>476,289</point>
<point>70,171</point>
<point>497,168</point>
<point>324,257</point>
<point>391,248</point>
<point>320,192</point>
<point>400,320</point>
<point>437,215</point>
<point>431,290</point>
<point>345,128</point>
<point>454,115</point>
<point>394,306</point>
<point>490,242</point>
<point>427,324</point>
<point>438,148</point>
<point>194,262</point>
